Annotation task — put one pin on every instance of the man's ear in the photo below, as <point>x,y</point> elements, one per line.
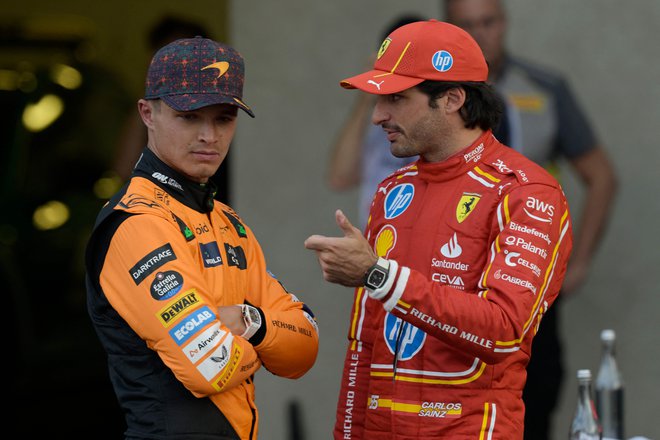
<point>146,110</point>
<point>455,99</point>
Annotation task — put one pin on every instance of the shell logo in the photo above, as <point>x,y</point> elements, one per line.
<point>385,241</point>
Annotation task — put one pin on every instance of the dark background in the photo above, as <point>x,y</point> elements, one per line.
<point>57,376</point>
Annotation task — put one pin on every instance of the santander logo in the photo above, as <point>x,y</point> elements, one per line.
<point>451,249</point>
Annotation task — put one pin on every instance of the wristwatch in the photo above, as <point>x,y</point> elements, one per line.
<point>376,275</point>
<point>252,320</point>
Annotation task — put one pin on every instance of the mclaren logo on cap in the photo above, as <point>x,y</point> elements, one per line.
<point>383,47</point>
<point>222,67</point>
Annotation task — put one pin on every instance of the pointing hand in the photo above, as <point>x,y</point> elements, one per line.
<point>343,260</point>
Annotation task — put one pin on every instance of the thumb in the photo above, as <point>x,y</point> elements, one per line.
<point>345,225</point>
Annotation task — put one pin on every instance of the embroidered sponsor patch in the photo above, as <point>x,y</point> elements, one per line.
<point>466,205</point>
<point>166,285</point>
<point>185,230</point>
<point>235,256</point>
<point>210,254</point>
<point>171,312</point>
<point>398,199</point>
<point>193,322</point>
<point>152,261</point>
<point>240,229</point>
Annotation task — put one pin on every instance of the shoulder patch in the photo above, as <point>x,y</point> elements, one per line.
<point>240,229</point>
<point>150,262</point>
<point>185,230</point>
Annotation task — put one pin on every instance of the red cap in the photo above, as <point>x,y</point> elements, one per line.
<point>424,50</point>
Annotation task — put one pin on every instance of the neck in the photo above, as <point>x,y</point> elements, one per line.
<point>453,144</point>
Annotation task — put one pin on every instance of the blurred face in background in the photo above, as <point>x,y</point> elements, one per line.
<point>485,21</point>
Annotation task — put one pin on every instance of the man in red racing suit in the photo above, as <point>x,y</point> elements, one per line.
<point>471,251</point>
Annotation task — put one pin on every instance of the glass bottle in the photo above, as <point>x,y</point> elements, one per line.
<point>609,389</point>
<point>585,424</point>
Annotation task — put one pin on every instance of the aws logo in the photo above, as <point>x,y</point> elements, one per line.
<point>539,206</point>
<point>222,67</point>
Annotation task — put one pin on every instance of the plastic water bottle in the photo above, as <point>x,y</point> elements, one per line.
<point>585,424</point>
<point>609,389</point>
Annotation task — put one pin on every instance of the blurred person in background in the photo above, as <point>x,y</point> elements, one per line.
<point>551,125</point>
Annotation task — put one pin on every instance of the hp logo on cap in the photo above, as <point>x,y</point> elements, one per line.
<point>442,61</point>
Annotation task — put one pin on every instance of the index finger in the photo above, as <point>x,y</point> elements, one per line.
<point>316,242</point>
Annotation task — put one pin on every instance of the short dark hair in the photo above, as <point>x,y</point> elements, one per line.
<point>483,106</point>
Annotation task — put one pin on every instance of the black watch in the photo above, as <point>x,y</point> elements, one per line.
<point>376,276</point>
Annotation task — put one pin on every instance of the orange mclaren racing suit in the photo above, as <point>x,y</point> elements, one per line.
<point>478,246</point>
<point>164,255</point>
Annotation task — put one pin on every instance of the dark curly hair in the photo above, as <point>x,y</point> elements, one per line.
<point>483,106</point>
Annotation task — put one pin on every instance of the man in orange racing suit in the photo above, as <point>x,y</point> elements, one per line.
<point>178,289</point>
<point>465,250</point>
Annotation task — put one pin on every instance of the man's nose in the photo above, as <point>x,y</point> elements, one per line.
<point>379,114</point>
<point>208,132</point>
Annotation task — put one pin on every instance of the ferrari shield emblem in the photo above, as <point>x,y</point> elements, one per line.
<point>383,47</point>
<point>466,205</point>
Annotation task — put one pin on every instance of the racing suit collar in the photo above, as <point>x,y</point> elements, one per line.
<point>460,162</point>
<point>192,194</point>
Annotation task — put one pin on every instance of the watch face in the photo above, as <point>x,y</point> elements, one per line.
<point>254,315</point>
<point>376,278</point>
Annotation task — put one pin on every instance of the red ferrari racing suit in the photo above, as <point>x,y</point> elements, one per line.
<point>163,256</point>
<point>477,246</point>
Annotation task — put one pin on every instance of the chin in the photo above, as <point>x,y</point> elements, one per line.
<point>202,176</point>
<point>402,152</point>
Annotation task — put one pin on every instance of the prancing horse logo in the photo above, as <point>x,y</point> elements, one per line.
<point>466,205</point>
